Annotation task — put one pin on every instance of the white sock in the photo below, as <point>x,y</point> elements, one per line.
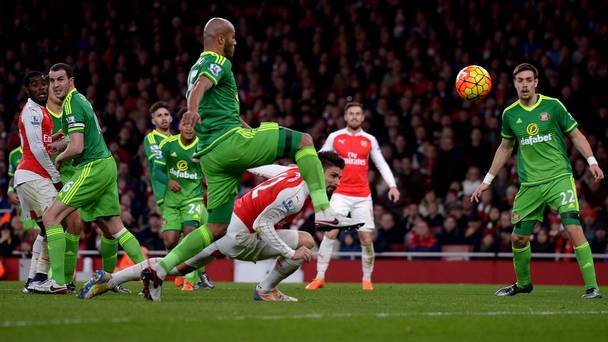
<point>36,249</point>
<point>326,249</point>
<point>132,272</point>
<point>160,271</point>
<point>367,261</point>
<point>281,270</point>
<point>120,232</point>
<point>44,263</point>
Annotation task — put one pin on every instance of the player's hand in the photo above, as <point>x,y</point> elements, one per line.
<point>57,136</point>
<point>57,147</point>
<point>597,173</point>
<point>303,253</point>
<point>393,194</point>
<point>190,118</point>
<point>174,186</point>
<point>481,188</point>
<point>13,198</point>
<point>58,164</point>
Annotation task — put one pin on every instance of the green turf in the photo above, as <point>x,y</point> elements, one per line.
<point>338,312</point>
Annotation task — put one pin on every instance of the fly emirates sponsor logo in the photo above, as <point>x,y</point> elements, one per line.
<point>536,139</point>
<point>352,159</point>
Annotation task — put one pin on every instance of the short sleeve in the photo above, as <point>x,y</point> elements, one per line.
<point>506,131</point>
<point>214,67</point>
<point>564,119</point>
<point>74,117</point>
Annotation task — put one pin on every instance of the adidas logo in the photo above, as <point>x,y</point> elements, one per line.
<point>518,120</point>
<point>173,154</point>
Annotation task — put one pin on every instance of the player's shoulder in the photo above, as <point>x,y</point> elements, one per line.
<point>339,133</point>
<point>513,107</point>
<point>169,141</point>
<point>368,136</point>
<point>15,151</point>
<point>552,101</point>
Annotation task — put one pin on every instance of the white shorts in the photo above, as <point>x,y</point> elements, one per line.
<point>239,243</point>
<point>35,196</point>
<point>360,208</point>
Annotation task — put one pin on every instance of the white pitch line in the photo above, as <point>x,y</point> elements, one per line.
<point>78,321</point>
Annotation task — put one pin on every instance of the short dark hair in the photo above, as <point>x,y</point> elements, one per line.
<point>352,104</point>
<point>69,71</point>
<point>159,104</point>
<point>30,75</point>
<point>525,67</point>
<point>330,158</point>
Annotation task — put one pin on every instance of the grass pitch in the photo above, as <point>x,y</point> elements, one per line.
<point>339,312</point>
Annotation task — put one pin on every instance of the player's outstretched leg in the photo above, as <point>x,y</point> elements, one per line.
<point>310,166</point>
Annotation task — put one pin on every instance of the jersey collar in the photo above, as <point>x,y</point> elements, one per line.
<point>179,140</point>
<point>58,116</point>
<point>531,108</point>
<point>155,132</point>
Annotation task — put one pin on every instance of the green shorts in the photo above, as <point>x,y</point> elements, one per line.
<point>93,190</point>
<point>224,165</point>
<point>190,214</point>
<point>531,201</point>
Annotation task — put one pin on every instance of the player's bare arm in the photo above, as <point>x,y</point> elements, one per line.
<point>582,145</point>
<point>202,85</point>
<point>73,149</point>
<point>503,153</point>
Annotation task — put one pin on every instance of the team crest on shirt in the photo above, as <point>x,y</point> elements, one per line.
<point>363,143</point>
<point>215,69</point>
<point>544,116</point>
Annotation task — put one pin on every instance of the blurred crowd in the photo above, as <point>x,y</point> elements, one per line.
<point>299,62</point>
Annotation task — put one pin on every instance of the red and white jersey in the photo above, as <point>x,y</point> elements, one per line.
<point>274,201</point>
<point>356,148</point>
<point>35,132</point>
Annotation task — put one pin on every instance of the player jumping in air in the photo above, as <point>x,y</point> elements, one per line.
<point>226,149</point>
<point>251,235</point>
<point>93,188</point>
<point>540,124</point>
<point>353,195</point>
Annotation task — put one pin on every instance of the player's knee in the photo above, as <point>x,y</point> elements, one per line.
<point>306,140</point>
<point>519,241</point>
<point>366,238</point>
<point>305,240</point>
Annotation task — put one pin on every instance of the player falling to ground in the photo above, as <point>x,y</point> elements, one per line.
<point>251,235</point>
<point>353,195</point>
<point>540,124</point>
<point>93,187</point>
<point>179,180</point>
<point>36,178</point>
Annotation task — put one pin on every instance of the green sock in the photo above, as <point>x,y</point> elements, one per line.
<point>194,276</point>
<point>131,246</point>
<point>521,261</point>
<point>585,263</point>
<point>312,172</point>
<point>56,243</point>
<point>71,254</point>
<point>109,249</point>
<point>190,245</point>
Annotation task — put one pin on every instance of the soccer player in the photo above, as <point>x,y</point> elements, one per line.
<point>73,222</point>
<point>36,178</point>
<point>540,124</point>
<point>162,119</point>
<point>93,187</point>
<point>353,195</point>
<point>179,185</point>
<point>251,235</point>
<point>226,149</point>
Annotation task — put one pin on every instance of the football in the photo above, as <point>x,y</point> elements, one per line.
<point>473,82</point>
